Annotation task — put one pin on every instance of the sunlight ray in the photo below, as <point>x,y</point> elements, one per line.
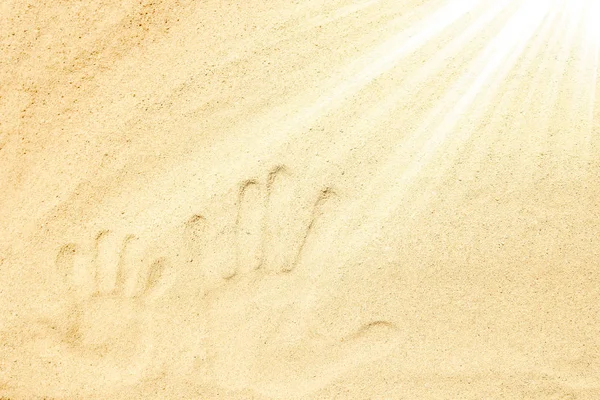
<point>513,113</point>
<point>588,79</point>
<point>490,68</point>
<point>385,56</point>
<point>509,112</point>
<point>277,128</point>
<point>562,142</point>
<point>371,119</point>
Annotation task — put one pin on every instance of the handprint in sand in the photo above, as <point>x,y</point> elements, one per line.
<point>110,291</point>
<point>259,277</point>
<point>101,331</point>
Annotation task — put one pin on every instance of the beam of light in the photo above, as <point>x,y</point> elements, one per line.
<point>487,72</point>
<point>546,82</point>
<point>379,109</point>
<point>534,105</point>
<point>575,121</point>
<point>589,79</point>
<point>387,55</point>
<point>592,22</point>
<point>275,129</point>
<point>564,141</point>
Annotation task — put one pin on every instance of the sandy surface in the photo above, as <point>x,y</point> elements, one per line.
<point>368,199</point>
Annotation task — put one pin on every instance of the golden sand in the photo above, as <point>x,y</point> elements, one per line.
<point>370,199</point>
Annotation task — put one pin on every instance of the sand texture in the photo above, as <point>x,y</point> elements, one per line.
<point>367,199</point>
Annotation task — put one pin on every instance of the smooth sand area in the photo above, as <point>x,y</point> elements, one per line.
<point>369,199</point>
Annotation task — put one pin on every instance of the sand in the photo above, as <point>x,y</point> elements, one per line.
<point>365,199</point>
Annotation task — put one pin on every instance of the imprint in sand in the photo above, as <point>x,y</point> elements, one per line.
<point>256,333</point>
<point>110,292</point>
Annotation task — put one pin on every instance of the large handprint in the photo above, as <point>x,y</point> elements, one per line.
<point>256,307</point>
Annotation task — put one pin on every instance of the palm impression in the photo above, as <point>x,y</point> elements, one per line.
<point>110,292</point>
<point>259,274</point>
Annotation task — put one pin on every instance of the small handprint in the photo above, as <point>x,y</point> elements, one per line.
<point>109,292</point>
